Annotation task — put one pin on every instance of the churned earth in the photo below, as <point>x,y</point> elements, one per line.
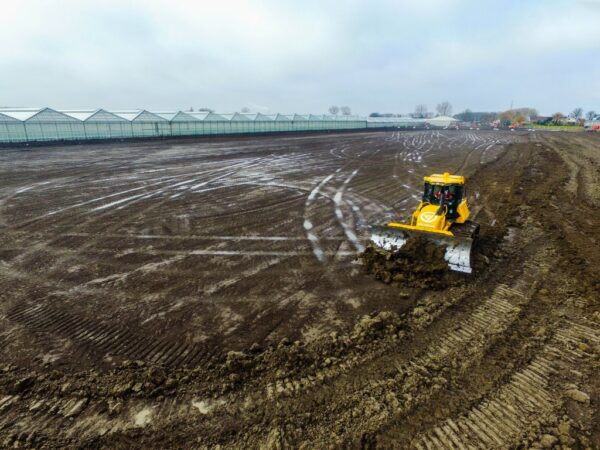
<point>418,263</point>
<point>197,294</point>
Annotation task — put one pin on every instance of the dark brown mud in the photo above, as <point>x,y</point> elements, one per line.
<point>419,263</point>
<point>161,322</point>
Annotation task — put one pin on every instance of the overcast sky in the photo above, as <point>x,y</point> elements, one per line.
<point>301,56</point>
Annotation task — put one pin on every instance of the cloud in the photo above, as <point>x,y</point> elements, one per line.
<point>290,56</point>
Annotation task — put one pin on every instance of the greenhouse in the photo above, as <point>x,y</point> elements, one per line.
<point>46,124</point>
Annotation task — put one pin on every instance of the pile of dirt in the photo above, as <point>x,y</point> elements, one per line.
<point>419,263</point>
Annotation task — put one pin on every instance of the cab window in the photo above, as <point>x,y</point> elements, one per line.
<point>456,190</point>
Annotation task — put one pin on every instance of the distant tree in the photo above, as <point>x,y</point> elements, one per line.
<point>334,110</point>
<point>481,117</point>
<point>191,109</point>
<point>374,114</point>
<point>577,113</point>
<point>519,119</point>
<point>420,111</point>
<point>530,113</point>
<point>444,108</point>
<point>485,117</point>
<point>590,115</point>
<point>557,118</point>
<point>206,110</point>
<point>245,110</point>
<point>466,116</point>
<point>346,111</point>
<point>506,118</point>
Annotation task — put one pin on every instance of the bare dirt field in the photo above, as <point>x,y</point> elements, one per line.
<point>207,294</point>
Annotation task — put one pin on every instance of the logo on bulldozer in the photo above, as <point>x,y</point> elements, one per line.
<point>427,217</point>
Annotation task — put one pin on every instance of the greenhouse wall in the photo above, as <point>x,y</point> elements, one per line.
<point>44,125</point>
<point>12,132</point>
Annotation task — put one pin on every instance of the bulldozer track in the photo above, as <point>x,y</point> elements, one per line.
<point>501,420</point>
<point>491,317</point>
<point>102,339</point>
<point>383,399</point>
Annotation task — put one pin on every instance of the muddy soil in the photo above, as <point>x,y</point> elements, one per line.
<point>419,263</point>
<point>207,295</point>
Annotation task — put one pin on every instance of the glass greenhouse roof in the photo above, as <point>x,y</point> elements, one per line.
<point>177,116</point>
<point>80,115</point>
<point>263,118</point>
<point>7,118</point>
<point>142,115</point>
<point>21,113</point>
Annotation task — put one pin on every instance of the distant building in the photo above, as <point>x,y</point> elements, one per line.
<point>593,124</point>
<point>442,121</point>
<point>543,120</point>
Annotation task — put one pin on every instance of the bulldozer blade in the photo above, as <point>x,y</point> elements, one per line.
<point>458,248</point>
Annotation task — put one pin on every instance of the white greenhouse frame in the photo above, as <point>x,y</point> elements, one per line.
<point>46,124</point>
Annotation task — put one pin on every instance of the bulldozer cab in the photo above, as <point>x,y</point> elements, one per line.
<point>449,195</point>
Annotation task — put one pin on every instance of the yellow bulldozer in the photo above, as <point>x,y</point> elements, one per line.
<point>442,216</point>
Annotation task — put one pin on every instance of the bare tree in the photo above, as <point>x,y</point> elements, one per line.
<point>557,118</point>
<point>577,113</point>
<point>245,109</point>
<point>346,111</point>
<point>420,111</point>
<point>532,113</point>
<point>590,115</point>
<point>444,108</point>
<point>334,110</point>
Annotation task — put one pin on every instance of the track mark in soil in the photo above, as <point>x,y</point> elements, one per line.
<point>346,221</point>
<point>308,226</point>
<point>105,339</point>
<point>520,405</point>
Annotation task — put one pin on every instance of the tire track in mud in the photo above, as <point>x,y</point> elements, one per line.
<point>91,242</point>
<point>366,381</point>
<point>101,339</point>
<point>348,224</point>
<point>44,413</point>
<point>106,340</point>
<point>377,400</point>
<point>520,405</point>
<point>347,212</point>
<point>284,389</point>
<point>492,317</point>
<point>244,165</point>
<point>366,185</point>
<point>309,227</point>
<point>112,339</point>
